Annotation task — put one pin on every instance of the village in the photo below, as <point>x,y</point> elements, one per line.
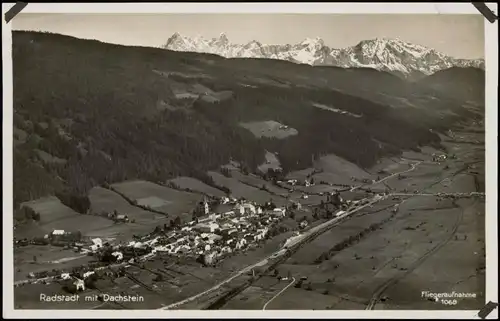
<point>220,226</point>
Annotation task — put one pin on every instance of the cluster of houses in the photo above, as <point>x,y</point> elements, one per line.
<point>242,225</point>
<point>236,225</point>
<point>220,234</point>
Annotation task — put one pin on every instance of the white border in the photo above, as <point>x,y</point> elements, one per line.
<point>491,58</point>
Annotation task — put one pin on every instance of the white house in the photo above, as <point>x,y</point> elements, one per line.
<point>241,243</point>
<point>239,209</point>
<point>280,211</point>
<point>259,210</point>
<point>58,232</point>
<point>118,255</point>
<point>79,284</point>
<point>138,245</point>
<point>87,274</point>
<point>226,249</point>
<point>207,247</point>
<point>225,200</point>
<point>249,208</point>
<point>97,242</point>
<point>122,218</point>
<point>65,276</point>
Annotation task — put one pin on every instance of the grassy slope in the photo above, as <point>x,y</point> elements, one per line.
<point>107,99</point>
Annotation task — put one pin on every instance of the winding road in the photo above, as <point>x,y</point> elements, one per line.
<point>412,168</point>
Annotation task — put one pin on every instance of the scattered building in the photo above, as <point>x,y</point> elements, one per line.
<point>58,232</point>
<point>122,218</point>
<point>118,255</point>
<point>87,274</point>
<point>79,285</point>
<point>279,211</point>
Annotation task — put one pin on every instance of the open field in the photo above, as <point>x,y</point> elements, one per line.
<point>269,128</point>
<point>257,182</point>
<point>272,162</point>
<point>55,215</point>
<point>50,209</point>
<point>104,200</point>
<point>160,198</point>
<point>239,189</point>
<point>336,170</point>
<point>47,258</point>
<point>196,185</point>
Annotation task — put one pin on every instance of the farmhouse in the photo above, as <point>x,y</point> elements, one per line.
<point>58,232</point>
<point>118,255</point>
<point>279,211</point>
<point>79,285</point>
<point>61,236</point>
<point>87,274</point>
<point>122,218</point>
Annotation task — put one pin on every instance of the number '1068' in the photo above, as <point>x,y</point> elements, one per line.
<point>449,302</point>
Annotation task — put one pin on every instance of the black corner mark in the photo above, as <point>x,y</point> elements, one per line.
<point>486,310</point>
<point>14,11</point>
<point>485,11</point>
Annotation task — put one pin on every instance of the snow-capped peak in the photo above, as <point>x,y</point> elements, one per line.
<point>312,41</point>
<point>392,55</point>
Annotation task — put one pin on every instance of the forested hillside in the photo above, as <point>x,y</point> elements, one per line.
<point>88,113</point>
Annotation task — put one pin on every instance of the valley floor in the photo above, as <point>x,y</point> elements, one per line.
<point>429,244</point>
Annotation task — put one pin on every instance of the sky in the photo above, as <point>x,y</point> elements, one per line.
<point>460,35</point>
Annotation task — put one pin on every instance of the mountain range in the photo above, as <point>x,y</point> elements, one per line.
<point>398,57</point>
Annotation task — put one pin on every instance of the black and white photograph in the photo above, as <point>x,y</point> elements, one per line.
<point>262,161</point>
